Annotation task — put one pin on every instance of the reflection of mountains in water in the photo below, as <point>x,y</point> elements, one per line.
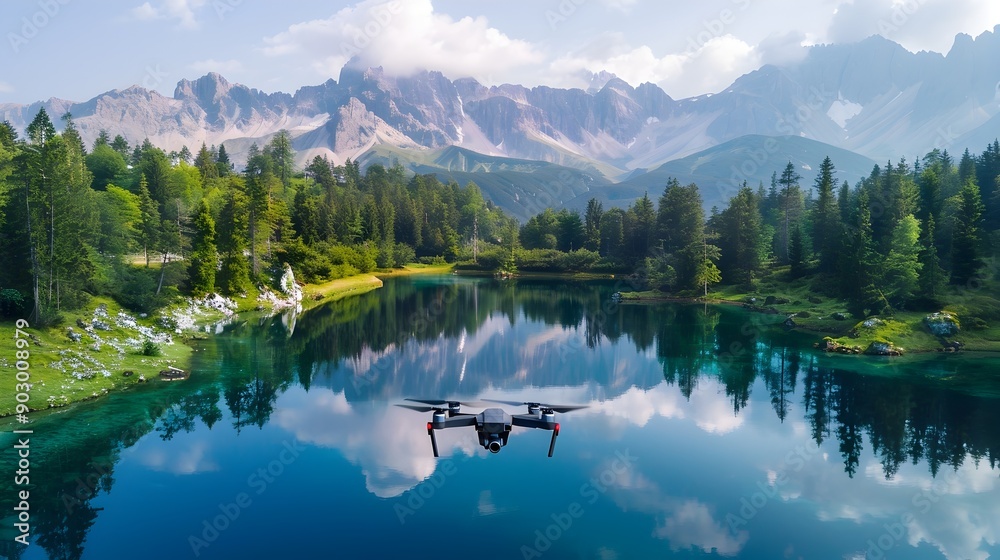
<point>560,340</point>
<point>461,338</point>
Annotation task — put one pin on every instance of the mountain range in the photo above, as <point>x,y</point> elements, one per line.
<point>868,101</point>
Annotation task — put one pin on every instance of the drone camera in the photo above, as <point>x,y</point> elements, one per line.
<point>494,446</point>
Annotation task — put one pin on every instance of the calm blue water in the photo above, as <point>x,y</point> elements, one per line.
<point>709,434</point>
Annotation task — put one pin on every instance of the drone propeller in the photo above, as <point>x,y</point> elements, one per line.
<point>422,408</point>
<point>553,407</point>
<point>440,402</point>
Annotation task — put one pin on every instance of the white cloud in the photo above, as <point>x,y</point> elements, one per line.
<point>710,68</point>
<point>145,12</point>
<point>192,459</point>
<point>224,67</point>
<point>404,37</point>
<point>6,88</point>
<point>401,459</point>
<point>692,526</point>
<point>623,5</point>
<point>183,11</point>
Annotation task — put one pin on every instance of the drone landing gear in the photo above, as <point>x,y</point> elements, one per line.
<point>434,442</point>
<point>552,445</point>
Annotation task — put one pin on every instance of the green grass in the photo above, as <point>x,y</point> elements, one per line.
<point>56,357</point>
<point>334,290</point>
<point>903,329</point>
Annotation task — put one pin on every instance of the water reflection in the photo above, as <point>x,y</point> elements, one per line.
<point>915,437</point>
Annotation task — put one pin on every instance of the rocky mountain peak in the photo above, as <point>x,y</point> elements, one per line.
<point>209,88</point>
<point>599,80</point>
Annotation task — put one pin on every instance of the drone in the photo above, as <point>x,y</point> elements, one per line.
<point>493,425</point>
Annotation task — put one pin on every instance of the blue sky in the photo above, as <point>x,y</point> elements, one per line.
<point>75,50</point>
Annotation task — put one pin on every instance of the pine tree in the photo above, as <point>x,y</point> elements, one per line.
<point>592,224</point>
<point>796,254</point>
<point>258,189</point>
<point>931,284</point>
<point>966,260</point>
<point>901,267</point>
<point>206,164</point>
<point>234,275</point>
<point>858,263</point>
<point>204,259</point>
<point>741,239</point>
<point>222,162</point>
<point>643,227</point>
<point>149,222</point>
<point>826,218</point>
<point>120,145</point>
<point>790,200</point>
<point>280,152</point>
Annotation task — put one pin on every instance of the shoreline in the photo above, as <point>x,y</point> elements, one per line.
<point>53,346</point>
<point>846,333</point>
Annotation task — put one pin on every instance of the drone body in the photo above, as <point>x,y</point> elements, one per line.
<point>492,425</point>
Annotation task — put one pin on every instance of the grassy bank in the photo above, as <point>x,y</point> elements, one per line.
<point>314,294</point>
<point>828,317</point>
<point>63,371</point>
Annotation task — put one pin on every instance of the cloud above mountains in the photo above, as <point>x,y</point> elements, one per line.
<point>703,49</point>
<point>404,37</point>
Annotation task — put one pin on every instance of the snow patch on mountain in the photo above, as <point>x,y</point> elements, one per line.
<point>842,110</point>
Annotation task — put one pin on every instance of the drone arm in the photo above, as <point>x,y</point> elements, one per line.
<point>531,421</point>
<point>456,421</point>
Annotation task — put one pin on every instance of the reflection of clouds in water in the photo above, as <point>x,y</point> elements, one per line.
<point>399,460</point>
<point>685,523</point>
<point>956,512</point>
<point>192,459</point>
<point>709,407</point>
<point>691,525</point>
<point>402,457</point>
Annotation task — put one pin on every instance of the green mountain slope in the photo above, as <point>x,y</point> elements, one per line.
<point>526,187</point>
<point>521,187</point>
<point>720,171</point>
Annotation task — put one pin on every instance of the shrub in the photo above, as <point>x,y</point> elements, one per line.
<point>150,348</point>
<point>11,303</point>
<point>403,254</point>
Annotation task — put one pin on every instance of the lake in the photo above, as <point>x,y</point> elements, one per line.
<point>710,432</point>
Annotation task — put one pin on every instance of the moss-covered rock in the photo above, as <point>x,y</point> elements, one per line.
<point>942,324</point>
<point>883,348</point>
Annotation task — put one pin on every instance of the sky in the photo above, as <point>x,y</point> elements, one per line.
<point>72,49</point>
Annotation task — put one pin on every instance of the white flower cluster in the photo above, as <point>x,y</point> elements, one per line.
<point>125,321</point>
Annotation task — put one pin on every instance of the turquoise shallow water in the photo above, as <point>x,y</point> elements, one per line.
<point>708,434</point>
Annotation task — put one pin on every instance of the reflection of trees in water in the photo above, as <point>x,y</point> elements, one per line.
<point>71,466</point>
<point>902,419</point>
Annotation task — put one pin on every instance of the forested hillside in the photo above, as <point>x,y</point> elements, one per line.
<point>74,218</point>
<point>141,225</point>
<point>905,237</point>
